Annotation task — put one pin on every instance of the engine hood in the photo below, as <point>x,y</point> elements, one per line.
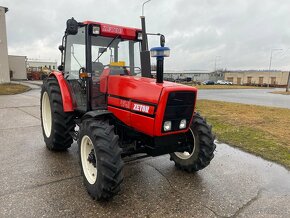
<point>140,88</point>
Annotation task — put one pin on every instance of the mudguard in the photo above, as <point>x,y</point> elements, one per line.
<point>67,101</point>
<point>96,113</point>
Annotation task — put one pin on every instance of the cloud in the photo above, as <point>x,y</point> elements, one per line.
<point>241,32</point>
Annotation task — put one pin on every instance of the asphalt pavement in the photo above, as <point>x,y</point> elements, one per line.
<point>35,182</point>
<point>262,97</point>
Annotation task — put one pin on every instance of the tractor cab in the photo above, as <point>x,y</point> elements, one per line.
<point>92,51</point>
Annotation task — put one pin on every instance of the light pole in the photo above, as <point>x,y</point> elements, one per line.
<point>215,60</point>
<point>143,6</point>
<point>270,64</point>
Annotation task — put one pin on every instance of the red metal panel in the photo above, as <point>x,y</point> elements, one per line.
<point>135,88</point>
<point>122,115</point>
<point>126,104</point>
<point>65,93</point>
<point>103,80</point>
<point>143,124</point>
<point>132,106</point>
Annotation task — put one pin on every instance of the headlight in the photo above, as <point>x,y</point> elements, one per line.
<point>167,126</point>
<point>96,30</point>
<point>182,124</point>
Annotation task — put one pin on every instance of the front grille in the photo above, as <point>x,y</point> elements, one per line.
<point>179,106</point>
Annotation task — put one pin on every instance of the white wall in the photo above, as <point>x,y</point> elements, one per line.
<point>17,64</point>
<point>4,67</point>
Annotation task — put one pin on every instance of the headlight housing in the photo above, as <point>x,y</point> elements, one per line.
<point>167,126</point>
<point>182,124</point>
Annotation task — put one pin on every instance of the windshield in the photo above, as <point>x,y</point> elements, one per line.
<point>115,52</point>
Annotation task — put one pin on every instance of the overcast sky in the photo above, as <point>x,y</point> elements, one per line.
<point>239,34</point>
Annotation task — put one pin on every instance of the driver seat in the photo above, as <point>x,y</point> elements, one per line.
<point>97,68</point>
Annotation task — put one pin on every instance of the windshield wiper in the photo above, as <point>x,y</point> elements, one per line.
<point>106,47</point>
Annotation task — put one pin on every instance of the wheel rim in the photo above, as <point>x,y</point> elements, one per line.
<point>186,155</point>
<point>46,114</point>
<point>88,159</point>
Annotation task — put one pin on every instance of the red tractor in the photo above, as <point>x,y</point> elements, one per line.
<point>105,98</point>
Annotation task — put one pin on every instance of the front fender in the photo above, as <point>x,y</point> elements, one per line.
<point>96,113</point>
<point>67,101</point>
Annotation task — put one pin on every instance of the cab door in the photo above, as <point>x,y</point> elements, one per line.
<point>75,63</point>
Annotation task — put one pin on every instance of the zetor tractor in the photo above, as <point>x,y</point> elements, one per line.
<point>104,97</point>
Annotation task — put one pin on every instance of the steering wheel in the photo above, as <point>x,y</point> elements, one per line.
<point>82,80</point>
<point>82,70</point>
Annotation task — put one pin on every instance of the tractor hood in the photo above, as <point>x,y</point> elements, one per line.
<point>141,102</point>
<point>140,88</point>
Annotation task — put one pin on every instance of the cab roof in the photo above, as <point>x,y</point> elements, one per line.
<point>111,30</point>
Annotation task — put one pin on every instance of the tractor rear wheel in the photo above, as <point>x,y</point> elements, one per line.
<point>100,159</point>
<point>201,142</point>
<point>56,124</point>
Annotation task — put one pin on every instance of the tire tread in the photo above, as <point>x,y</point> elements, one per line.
<point>63,123</point>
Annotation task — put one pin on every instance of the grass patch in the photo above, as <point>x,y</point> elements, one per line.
<point>264,131</point>
<point>281,92</point>
<point>12,88</point>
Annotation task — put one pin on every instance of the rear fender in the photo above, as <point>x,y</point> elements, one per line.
<point>67,102</point>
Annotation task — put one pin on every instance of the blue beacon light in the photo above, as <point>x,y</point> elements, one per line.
<point>159,53</point>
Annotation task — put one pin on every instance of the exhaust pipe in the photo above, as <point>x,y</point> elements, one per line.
<point>158,52</point>
<point>159,70</point>
<point>144,53</point>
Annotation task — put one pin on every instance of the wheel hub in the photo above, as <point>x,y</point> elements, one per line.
<point>190,141</point>
<point>92,158</point>
<point>88,159</point>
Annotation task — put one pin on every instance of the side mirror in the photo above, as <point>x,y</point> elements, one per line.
<point>162,40</point>
<point>60,68</point>
<point>61,48</point>
<point>71,26</point>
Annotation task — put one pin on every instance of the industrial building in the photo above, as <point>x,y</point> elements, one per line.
<point>255,77</point>
<point>4,64</point>
<point>194,75</point>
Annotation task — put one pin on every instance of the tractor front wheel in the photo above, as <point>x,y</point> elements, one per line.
<point>200,140</point>
<point>100,159</point>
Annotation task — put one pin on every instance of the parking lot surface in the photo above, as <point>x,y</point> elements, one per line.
<point>262,97</point>
<point>35,182</point>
